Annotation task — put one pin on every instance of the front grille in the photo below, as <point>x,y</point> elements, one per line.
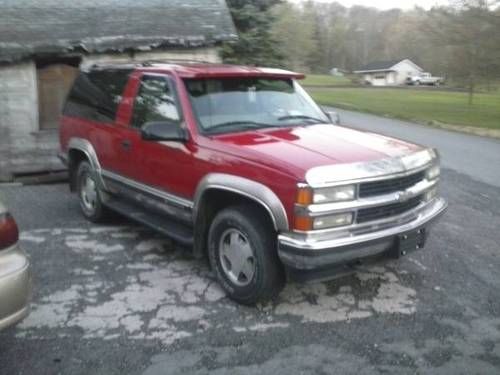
<point>382,212</point>
<point>369,189</point>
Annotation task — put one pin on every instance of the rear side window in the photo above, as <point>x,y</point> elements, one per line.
<point>96,95</point>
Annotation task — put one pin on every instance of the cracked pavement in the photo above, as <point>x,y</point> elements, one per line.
<point>120,299</point>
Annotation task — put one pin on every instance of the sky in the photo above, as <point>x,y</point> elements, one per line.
<point>389,4</point>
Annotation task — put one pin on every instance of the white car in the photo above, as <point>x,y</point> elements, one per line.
<point>424,79</point>
<point>15,273</point>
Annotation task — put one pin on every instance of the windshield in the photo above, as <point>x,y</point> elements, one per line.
<point>235,104</point>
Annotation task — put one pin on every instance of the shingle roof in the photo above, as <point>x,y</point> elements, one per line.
<point>379,65</point>
<point>28,27</point>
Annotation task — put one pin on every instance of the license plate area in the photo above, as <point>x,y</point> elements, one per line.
<point>409,242</point>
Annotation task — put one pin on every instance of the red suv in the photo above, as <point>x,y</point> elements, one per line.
<point>239,164</point>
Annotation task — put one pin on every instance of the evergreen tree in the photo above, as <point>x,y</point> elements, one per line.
<point>255,44</point>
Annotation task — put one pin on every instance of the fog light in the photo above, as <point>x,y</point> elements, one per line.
<point>433,172</point>
<point>332,221</point>
<point>431,194</point>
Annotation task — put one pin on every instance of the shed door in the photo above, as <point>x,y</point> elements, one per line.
<point>54,83</point>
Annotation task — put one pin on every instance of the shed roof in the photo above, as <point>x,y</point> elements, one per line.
<point>29,27</point>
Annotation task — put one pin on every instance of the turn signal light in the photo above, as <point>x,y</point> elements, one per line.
<point>304,195</point>
<point>303,223</point>
<point>9,233</point>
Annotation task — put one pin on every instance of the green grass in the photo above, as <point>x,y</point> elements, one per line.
<point>426,106</point>
<point>325,80</point>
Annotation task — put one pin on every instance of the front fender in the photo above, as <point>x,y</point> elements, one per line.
<point>253,190</point>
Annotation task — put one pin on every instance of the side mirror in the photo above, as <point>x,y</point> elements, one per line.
<point>163,131</point>
<point>334,117</point>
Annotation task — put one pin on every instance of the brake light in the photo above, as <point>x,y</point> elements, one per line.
<point>9,233</point>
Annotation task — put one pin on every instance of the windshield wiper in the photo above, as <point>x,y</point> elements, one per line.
<point>241,125</point>
<point>303,117</point>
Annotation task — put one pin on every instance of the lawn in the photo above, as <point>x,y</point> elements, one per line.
<point>318,80</point>
<point>421,105</point>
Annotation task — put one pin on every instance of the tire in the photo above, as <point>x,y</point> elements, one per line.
<point>244,229</point>
<point>417,83</point>
<point>90,203</point>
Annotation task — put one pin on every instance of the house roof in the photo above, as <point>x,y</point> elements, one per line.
<point>380,66</point>
<point>29,27</point>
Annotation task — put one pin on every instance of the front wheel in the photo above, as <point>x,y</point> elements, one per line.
<point>242,252</point>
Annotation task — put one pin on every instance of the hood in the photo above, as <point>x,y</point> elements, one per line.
<point>298,149</point>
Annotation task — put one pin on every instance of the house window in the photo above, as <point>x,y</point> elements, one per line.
<point>379,76</point>
<point>54,79</point>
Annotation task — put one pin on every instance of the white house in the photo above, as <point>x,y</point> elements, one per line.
<point>388,73</point>
<point>44,42</point>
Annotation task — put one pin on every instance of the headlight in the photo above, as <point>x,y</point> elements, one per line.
<point>433,172</point>
<point>334,194</point>
<point>331,221</point>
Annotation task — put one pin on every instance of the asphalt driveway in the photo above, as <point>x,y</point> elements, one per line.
<point>119,299</point>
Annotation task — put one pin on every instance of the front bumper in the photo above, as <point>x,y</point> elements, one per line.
<point>312,254</point>
<point>15,286</point>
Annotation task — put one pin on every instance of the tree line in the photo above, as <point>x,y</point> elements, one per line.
<point>460,41</point>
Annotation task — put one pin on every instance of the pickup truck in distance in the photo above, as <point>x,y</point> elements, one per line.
<point>241,166</point>
<point>424,79</point>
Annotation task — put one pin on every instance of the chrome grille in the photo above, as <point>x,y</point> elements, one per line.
<point>370,189</point>
<point>381,212</point>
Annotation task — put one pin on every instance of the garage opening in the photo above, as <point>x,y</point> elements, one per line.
<point>55,78</point>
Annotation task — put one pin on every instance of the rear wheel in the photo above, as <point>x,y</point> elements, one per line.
<point>88,193</point>
<point>242,252</point>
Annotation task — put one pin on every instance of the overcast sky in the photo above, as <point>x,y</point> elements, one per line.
<point>388,4</point>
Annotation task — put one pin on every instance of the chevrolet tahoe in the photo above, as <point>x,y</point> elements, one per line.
<point>240,165</point>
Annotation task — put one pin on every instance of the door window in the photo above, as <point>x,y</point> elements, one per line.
<point>155,101</point>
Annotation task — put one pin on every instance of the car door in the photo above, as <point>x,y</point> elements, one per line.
<point>158,169</point>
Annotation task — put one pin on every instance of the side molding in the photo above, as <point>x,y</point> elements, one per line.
<point>255,191</point>
<point>87,148</point>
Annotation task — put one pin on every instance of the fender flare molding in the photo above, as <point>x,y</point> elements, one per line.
<point>86,147</point>
<point>253,190</point>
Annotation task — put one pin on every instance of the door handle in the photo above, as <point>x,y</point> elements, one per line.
<point>126,144</point>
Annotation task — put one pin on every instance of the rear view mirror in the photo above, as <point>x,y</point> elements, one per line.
<point>163,131</point>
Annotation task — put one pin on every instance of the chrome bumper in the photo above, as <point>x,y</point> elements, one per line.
<point>15,286</point>
<point>311,253</point>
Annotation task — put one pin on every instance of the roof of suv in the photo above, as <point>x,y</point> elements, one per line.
<point>207,70</point>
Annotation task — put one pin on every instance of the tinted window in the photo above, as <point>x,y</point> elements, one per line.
<point>155,101</point>
<point>96,95</point>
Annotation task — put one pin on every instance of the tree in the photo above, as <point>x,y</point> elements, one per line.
<point>294,29</point>
<point>470,33</point>
<point>255,44</point>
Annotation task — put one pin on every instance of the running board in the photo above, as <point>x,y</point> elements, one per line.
<point>179,232</point>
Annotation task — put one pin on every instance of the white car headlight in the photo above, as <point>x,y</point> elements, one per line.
<point>334,194</point>
<point>332,221</point>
